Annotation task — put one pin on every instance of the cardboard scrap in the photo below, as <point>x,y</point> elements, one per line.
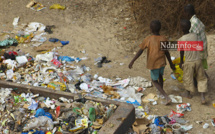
<point>35,5</point>
<point>140,125</point>
<point>149,97</point>
<point>26,106</point>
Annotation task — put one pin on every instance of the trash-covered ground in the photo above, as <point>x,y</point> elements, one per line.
<point>31,113</point>
<point>85,32</point>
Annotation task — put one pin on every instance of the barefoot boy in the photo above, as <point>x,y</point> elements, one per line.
<point>192,64</point>
<point>156,60</point>
<point>198,28</point>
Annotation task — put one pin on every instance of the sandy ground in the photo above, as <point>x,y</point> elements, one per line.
<point>94,26</point>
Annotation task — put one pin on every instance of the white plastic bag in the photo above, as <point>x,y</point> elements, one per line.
<point>175,99</point>
<point>9,74</point>
<point>45,57</point>
<point>21,60</point>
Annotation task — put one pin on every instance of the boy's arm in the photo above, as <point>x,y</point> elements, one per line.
<point>169,60</point>
<point>182,57</point>
<point>135,58</point>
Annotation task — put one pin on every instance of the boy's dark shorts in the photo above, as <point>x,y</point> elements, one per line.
<point>155,73</point>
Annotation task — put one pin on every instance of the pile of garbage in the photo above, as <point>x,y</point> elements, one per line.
<point>30,33</point>
<point>60,72</point>
<point>63,73</point>
<point>50,70</point>
<point>169,124</point>
<point>27,112</point>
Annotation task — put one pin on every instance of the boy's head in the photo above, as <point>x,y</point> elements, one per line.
<point>185,26</point>
<point>155,26</point>
<point>189,10</point>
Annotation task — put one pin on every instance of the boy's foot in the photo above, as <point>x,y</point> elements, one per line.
<point>168,101</point>
<point>203,102</point>
<point>186,94</point>
<point>203,99</point>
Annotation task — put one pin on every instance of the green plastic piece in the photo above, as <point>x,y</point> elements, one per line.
<point>16,98</point>
<point>8,42</point>
<point>92,114</point>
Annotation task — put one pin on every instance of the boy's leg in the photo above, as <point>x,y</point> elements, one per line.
<point>160,89</point>
<point>161,80</point>
<point>203,101</point>
<point>205,66</point>
<point>155,75</point>
<point>202,81</point>
<point>188,80</point>
<point>195,82</point>
<point>206,75</point>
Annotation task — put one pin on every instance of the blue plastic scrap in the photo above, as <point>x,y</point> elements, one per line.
<point>157,122</point>
<point>40,112</point>
<point>56,40</point>
<point>77,59</point>
<point>53,39</point>
<point>66,58</point>
<point>47,114</point>
<point>64,42</point>
<point>134,103</point>
<point>35,132</point>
